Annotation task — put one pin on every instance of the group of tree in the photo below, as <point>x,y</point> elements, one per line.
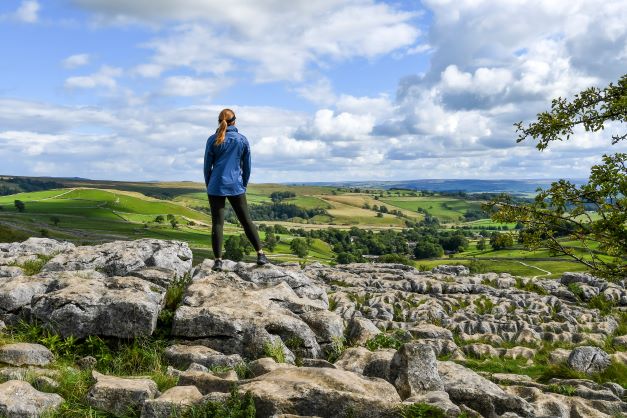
<point>19,205</point>
<point>474,215</point>
<point>299,247</point>
<point>171,219</point>
<point>279,196</point>
<point>14,185</point>
<point>271,241</point>
<point>236,246</point>
<point>500,241</point>
<point>277,211</point>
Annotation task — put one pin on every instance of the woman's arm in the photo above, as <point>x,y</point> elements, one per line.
<point>208,165</point>
<point>246,163</point>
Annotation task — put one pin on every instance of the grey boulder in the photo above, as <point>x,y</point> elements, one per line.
<point>172,403</point>
<point>468,388</point>
<point>18,399</point>
<point>588,359</point>
<point>88,303</point>
<point>323,392</point>
<point>236,316</point>
<point>20,354</point>
<point>121,258</point>
<point>414,370</point>
<point>183,355</point>
<point>120,396</point>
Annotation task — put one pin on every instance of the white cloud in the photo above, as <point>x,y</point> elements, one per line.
<point>75,61</point>
<point>189,86</point>
<point>215,39</point>
<point>491,64</point>
<point>28,11</point>
<point>320,92</point>
<point>326,123</point>
<point>105,77</point>
<point>273,148</point>
<point>379,107</point>
<point>485,81</point>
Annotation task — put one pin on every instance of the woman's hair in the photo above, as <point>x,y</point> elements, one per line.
<point>226,118</point>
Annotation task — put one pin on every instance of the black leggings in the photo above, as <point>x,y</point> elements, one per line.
<point>240,206</point>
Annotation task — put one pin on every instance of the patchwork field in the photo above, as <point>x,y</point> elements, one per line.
<point>449,210</point>
<point>91,212</point>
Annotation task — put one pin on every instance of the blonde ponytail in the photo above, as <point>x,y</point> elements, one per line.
<point>225,116</point>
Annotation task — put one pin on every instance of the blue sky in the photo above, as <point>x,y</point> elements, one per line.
<point>326,90</point>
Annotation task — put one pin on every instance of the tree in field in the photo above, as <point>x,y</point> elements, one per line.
<point>55,220</point>
<point>456,242</point>
<point>501,241</point>
<point>345,258</point>
<point>247,247</point>
<point>299,247</point>
<point>20,206</point>
<point>159,219</point>
<point>481,244</point>
<point>233,248</point>
<point>428,249</point>
<point>174,223</point>
<point>595,213</point>
<point>271,241</point>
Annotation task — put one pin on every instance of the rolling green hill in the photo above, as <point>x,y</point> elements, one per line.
<point>96,211</point>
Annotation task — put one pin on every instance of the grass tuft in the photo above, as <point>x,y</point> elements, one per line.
<point>384,340</point>
<point>421,410</point>
<point>32,267</point>
<point>483,305</point>
<point>275,350</point>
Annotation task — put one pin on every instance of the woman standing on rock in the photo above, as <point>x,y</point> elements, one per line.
<point>227,170</point>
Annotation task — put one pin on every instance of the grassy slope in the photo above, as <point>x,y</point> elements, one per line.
<point>447,209</point>
<point>96,215</point>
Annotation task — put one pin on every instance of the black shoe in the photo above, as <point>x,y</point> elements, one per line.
<point>262,259</point>
<point>217,265</point>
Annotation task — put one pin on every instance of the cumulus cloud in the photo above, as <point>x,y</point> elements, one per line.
<point>75,61</point>
<point>493,65</point>
<point>321,92</point>
<point>28,11</point>
<point>105,77</point>
<point>210,38</point>
<point>190,86</point>
<point>490,64</point>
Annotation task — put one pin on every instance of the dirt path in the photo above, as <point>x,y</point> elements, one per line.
<point>546,272</point>
<point>54,197</point>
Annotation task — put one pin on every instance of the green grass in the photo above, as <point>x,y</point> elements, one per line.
<point>557,266</point>
<point>236,406</point>
<point>29,196</point>
<point>421,410</point>
<point>387,340</point>
<point>90,216</point>
<point>32,267</point>
<point>274,350</point>
<point>102,204</point>
<point>483,223</point>
<point>446,209</point>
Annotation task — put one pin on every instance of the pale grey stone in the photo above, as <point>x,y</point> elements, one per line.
<point>18,399</point>
<point>120,396</point>
<point>173,402</point>
<point>183,355</point>
<point>20,354</point>
<point>414,370</point>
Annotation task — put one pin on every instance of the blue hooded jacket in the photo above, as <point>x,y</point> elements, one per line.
<point>227,166</point>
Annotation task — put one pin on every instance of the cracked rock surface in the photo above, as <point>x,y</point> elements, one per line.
<point>361,339</point>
